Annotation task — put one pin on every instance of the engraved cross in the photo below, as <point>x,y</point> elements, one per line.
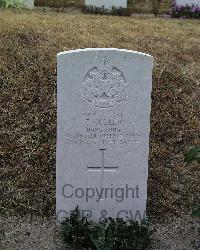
<point>102,168</point>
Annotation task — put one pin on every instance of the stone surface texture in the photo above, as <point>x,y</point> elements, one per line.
<point>103,123</point>
<point>29,4</point>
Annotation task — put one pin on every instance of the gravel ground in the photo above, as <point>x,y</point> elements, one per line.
<point>39,233</point>
<point>176,234</point>
<point>29,233</point>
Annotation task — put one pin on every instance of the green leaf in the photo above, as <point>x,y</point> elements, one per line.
<point>193,155</point>
<point>110,234</point>
<point>196,212</point>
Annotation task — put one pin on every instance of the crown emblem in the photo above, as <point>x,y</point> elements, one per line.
<point>104,86</point>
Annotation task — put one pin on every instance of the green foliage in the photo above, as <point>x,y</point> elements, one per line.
<point>102,11</point>
<point>193,155</point>
<point>196,212</point>
<point>79,233</point>
<point>12,4</point>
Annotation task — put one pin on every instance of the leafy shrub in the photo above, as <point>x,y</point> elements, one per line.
<point>102,11</point>
<point>185,11</point>
<point>110,234</point>
<point>12,3</point>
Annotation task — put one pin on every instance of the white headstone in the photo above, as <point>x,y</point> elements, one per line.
<point>29,4</point>
<point>103,123</point>
<point>107,4</point>
<point>188,2</point>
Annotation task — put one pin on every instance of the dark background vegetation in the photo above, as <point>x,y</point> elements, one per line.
<point>137,6</point>
<point>29,42</point>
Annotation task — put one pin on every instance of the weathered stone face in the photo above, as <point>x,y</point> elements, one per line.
<point>104,102</point>
<point>29,3</point>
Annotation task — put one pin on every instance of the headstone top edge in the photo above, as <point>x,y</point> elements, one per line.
<point>103,49</point>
